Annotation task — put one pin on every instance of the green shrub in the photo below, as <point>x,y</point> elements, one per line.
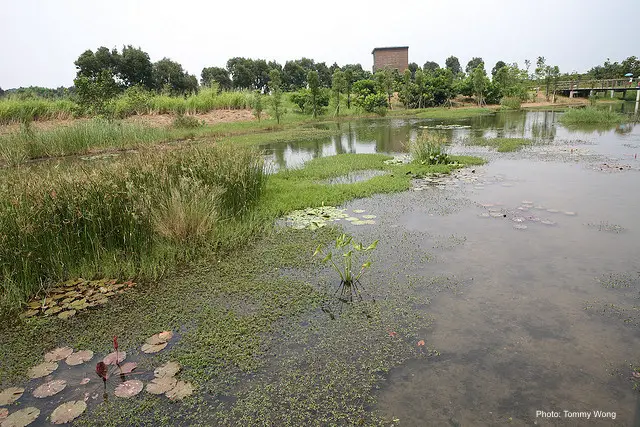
<point>511,102</point>
<point>187,122</point>
<point>375,102</point>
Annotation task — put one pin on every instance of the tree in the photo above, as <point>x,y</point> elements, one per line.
<point>549,74</point>
<point>276,93</point>
<point>94,92</point>
<point>413,67</point>
<point>257,104</point>
<point>384,79</point>
<point>242,72</point>
<point>430,67</point>
<point>217,75</point>
<point>480,82</point>
<point>294,75</point>
<point>169,75</point>
<point>368,96</point>
<point>452,63</point>
<point>134,68</point>
<point>324,74</point>
<point>499,65</point>
<point>1,92</point>
<point>338,85</point>
<point>473,63</point>
<point>314,90</point>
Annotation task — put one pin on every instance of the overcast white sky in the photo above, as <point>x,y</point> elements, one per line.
<point>40,39</point>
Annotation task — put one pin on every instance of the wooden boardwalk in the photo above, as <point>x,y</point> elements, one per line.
<point>572,88</point>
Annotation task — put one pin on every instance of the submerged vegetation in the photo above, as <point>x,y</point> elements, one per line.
<point>591,116</point>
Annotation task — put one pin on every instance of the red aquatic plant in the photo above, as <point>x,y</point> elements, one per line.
<point>101,370</point>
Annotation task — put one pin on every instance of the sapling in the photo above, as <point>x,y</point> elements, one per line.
<point>349,279</point>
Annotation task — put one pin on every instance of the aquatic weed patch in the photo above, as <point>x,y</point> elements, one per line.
<point>502,145</point>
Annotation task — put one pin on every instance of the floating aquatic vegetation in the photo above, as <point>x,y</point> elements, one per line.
<point>128,388</point>
<point>157,342</point>
<point>128,367</point>
<point>4,413</point>
<point>569,213</point>
<point>68,412</point>
<point>518,219</point>
<point>605,226</point>
<point>79,357</point>
<point>398,160</point>
<point>520,227</point>
<point>548,222</point>
<point>58,354</point>
<point>446,127</point>
<point>169,369</point>
<point>49,388</point>
<point>10,395</point>
<point>161,385</point>
<point>21,418</point>
<point>42,370</point>
<point>85,381</point>
<point>314,218</point>
<point>71,296</point>
<point>484,215</point>
<point>553,210</point>
<point>540,208</point>
<point>180,391</point>
<point>368,216</point>
<point>115,358</point>
<point>166,383</point>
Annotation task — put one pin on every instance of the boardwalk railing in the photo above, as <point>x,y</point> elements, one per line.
<point>606,84</point>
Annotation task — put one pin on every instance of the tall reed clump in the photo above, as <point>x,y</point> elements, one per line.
<point>591,116</point>
<point>14,110</point>
<point>132,218</point>
<point>77,138</point>
<point>429,149</point>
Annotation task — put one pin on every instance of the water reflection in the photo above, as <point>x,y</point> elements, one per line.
<point>391,135</point>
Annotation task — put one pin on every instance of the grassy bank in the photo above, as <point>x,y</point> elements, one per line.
<point>20,110</point>
<point>447,113</point>
<point>590,116</point>
<point>134,217</point>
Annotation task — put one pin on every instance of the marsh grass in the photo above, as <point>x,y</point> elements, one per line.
<point>429,149</point>
<point>502,145</point>
<point>137,217</point>
<point>79,138</point>
<point>14,110</point>
<point>591,116</point>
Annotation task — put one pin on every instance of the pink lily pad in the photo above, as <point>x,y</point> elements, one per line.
<point>42,370</point>
<point>49,388</point>
<point>129,388</point>
<point>128,367</point>
<point>58,354</point>
<point>79,357</point>
<point>85,381</point>
<point>4,413</point>
<point>110,359</point>
<point>68,412</point>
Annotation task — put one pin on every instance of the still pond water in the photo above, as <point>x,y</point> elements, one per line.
<point>544,248</point>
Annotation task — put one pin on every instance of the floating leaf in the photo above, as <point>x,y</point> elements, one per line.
<point>85,381</point>
<point>520,227</point>
<point>358,211</point>
<point>153,348</point>
<point>22,418</point>
<point>569,213</point>
<point>547,222</point>
<point>166,335</point>
<point>553,210</point>
<point>114,359</point>
<point>358,222</point>
<point>10,395</point>
<point>42,370</point>
<point>58,354</point>
<point>79,357</point>
<point>368,216</point>
<point>161,385</point>
<point>421,343</point>
<point>351,218</point>
<point>49,388</point>
<point>29,313</point>
<point>129,388</point>
<point>128,367</point>
<point>180,391</point>
<point>67,314</point>
<point>4,413</point>
<point>68,412</point>
<point>169,369</point>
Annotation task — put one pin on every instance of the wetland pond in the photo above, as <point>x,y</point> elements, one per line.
<point>539,253</point>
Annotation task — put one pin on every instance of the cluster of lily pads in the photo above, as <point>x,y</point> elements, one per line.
<point>164,382</point>
<point>314,218</point>
<point>523,214</point>
<point>446,127</point>
<point>69,297</point>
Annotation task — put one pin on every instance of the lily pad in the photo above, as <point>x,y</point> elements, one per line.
<point>10,395</point>
<point>368,216</point>
<point>169,369</point>
<point>79,357</point>
<point>67,314</point>
<point>129,388</point>
<point>180,391</point>
<point>58,354</point>
<point>162,385</point>
<point>85,381</point>
<point>358,222</point>
<point>153,348</point>
<point>128,367</point>
<point>49,388</point>
<point>547,222</point>
<point>520,227</point>
<point>359,211</point>
<point>21,418</point>
<point>68,412</point>
<point>553,210</point>
<point>484,215</point>
<point>110,359</point>
<point>160,338</point>
<point>351,218</point>
<point>42,370</point>
<point>4,413</point>
<point>29,313</point>
<point>368,221</point>
<point>569,213</point>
